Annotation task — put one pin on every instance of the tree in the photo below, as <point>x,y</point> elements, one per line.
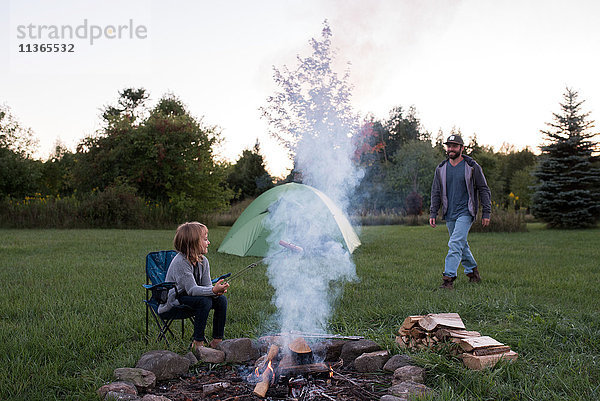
<point>311,115</point>
<point>401,128</point>
<point>521,184</point>
<point>376,146</point>
<point>129,106</point>
<point>57,172</point>
<point>412,171</point>
<point>19,173</point>
<point>515,163</point>
<point>167,157</point>
<point>248,177</point>
<point>568,193</point>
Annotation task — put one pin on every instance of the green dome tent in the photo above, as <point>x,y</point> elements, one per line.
<point>248,235</point>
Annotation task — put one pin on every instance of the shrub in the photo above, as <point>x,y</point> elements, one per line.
<point>502,220</point>
<point>38,211</point>
<point>385,218</point>
<point>116,207</point>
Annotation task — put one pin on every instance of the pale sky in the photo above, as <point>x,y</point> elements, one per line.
<point>494,68</point>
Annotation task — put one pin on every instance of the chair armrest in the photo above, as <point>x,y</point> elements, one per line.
<point>166,284</point>
<point>160,292</point>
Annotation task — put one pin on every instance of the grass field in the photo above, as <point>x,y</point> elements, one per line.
<point>71,310</point>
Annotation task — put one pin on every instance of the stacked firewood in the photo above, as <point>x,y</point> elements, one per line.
<point>436,330</point>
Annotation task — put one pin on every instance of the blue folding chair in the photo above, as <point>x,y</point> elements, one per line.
<point>157,264</point>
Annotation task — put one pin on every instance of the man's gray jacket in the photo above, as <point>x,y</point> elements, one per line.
<point>476,187</point>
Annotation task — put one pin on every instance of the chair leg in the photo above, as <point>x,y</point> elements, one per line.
<point>163,327</point>
<point>166,329</point>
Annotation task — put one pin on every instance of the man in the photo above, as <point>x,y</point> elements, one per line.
<point>457,184</point>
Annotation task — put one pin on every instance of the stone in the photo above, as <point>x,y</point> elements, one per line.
<point>211,355</point>
<point>409,389</point>
<point>328,350</point>
<point>117,387</point>
<point>371,361</point>
<point>409,373</point>
<point>116,396</point>
<point>397,361</point>
<point>152,397</point>
<point>166,365</point>
<point>142,379</point>
<point>239,350</point>
<point>191,357</point>
<point>393,398</point>
<point>353,349</point>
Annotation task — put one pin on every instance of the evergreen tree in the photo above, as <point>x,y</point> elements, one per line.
<point>248,177</point>
<point>568,193</point>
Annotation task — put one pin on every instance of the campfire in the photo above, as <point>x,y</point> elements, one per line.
<point>293,364</point>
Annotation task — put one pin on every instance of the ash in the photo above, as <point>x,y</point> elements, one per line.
<point>230,383</point>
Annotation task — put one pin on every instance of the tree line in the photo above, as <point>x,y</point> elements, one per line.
<point>162,157</point>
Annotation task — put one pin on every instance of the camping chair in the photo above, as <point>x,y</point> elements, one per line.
<point>157,290</point>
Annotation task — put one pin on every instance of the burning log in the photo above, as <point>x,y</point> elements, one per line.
<point>301,352</point>
<point>296,359</point>
<point>268,374</point>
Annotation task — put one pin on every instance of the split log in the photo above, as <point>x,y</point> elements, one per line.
<point>445,332</point>
<point>268,374</point>
<point>471,343</point>
<point>403,332</point>
<point>491,350</point>
<point>410,321</point>
<point>402,341</point>
<point>480,362</point>
<point>417,332</point>
<point>431,321</point>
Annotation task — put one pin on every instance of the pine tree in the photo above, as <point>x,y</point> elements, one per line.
<point>568,192</point>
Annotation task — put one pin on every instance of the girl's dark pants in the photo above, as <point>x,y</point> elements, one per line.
<point>202,306</point>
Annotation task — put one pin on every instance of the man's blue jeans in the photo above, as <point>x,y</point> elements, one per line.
<point>458,247</point>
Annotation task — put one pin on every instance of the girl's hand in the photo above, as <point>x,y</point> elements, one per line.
<point>220,287</point>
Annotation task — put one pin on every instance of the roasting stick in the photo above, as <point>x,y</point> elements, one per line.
<point>287,245</point>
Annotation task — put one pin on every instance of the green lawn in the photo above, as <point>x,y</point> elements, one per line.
<point>71,307</point>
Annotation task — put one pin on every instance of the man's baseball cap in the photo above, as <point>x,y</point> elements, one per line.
<point>457,139</point>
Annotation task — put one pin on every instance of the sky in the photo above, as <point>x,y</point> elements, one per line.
<point>496,69</point>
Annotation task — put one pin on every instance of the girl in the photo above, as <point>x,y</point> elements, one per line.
<point>191,273</point>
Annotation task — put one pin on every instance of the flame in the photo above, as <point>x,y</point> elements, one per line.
<point>256,372</point>
<point>271,372</point>
<point>330,371</point>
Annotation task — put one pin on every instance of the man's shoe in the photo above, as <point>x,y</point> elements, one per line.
<point>448,283</point>
<point>474,276</point>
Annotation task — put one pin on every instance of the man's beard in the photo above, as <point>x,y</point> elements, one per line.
<point>453,155</point>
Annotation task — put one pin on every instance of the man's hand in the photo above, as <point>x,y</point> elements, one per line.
<point>485,222</point>
<point>221,287</point>
<point>432,223</point>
